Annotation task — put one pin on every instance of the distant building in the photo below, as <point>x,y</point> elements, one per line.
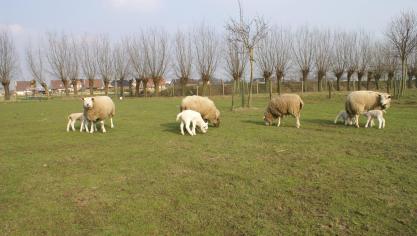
<point>25,88</point>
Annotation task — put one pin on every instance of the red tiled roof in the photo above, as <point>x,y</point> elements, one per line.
<point>57,84</point>
<point>24,86</point>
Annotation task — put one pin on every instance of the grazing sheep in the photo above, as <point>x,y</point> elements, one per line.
<point>344,116</point>
<point>72,118</point>
<point>375,114</point>
<point>97,109</point>
<point>204,106</point>
<point>359,101</point>
<point>188,117</point>
<point>282,105</point>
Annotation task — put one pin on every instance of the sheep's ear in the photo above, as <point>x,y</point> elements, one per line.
<point>92,99</point>
<point>82,99</point>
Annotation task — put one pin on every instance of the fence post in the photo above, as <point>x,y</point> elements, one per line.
<point>330,89</point>
<point>223,87</point>
<point>257,87</point>
<point>197,89</point>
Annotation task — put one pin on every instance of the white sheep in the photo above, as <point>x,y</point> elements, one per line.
<point>344,116</point>
<point>375,114</point>
<point>72,118</point>
<point>358,102</point>
<point>190,117</point>
<point>204,106</point>
<point>97,109</point>
<point>282,105</point>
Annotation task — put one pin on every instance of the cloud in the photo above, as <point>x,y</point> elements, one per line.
<point>13,28</point>
<point>141,5</point>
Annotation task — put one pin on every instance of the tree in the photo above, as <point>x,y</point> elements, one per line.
<point>206,46</point>
<point>73,66</point>
<point>412,68</point>
<point>184,57</point>
<point>137,61</point>
<point>390,64</point>
<point>266,61</point>
<point>281,48</point>
<point>8,62</point>
<point>339,54</point>
<point>59,57</point>
<point>88,59</point>
<point>155,44</point>
<point>105,62</point>
<point>248,33</point>
<point>303,51</point>
<point>322,52</point>
<point>377,62</point>
<point>35,61</point>
<point>236,60</point>
<point>121,64</point>
<point>352,57</point>
<point>364,56</point>
<point>402,33</point>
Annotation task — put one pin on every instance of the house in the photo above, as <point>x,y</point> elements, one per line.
<point>97,84</point>
<point>25,88</point>
<point>56,85</point>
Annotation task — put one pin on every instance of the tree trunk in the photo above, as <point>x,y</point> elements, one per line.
<point>156,84</point>
<point>410,81</point>
<point>45,87</point>
<point>349,76</point>
<point>7,94</point>
<point>74,86</point>
<point>279,75</point>
<point>106,87</point>
<point>305,76</point>
<point>251,60</point>
<point>233,94</point>
<point>131,87</point>
<point>377,77</point>
<point>137,87</point>
<point>145,87</point>
<point>329,86</point>
<point>91,86</point>
<point>121,88</point>
<point>320,75</point>
<point>389,81</point>
<point>66,84</point>
<point>360,76</point>
<point>242,93</point>
<point>338,76</point>
<point>368,80</point>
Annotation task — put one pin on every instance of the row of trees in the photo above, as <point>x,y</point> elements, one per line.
<point>247,43</point>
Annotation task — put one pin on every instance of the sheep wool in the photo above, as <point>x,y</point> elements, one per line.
<point>204,106</point>
<point>283,105</point>
<point>99,108</point>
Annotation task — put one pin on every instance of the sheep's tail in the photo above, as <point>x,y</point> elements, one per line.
<point>178,116</point>
<point>301,104</point>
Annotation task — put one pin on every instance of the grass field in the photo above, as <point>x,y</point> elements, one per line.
<point>244,178</point>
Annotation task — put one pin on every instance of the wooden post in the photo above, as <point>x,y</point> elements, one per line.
<point>197,89</point>
<point>257,87</point>
<point>223,87</point>
<point>330,89</point>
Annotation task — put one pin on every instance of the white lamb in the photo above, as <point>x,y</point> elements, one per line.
<point>188,117</point>
<point>344,116</point>
<point>73,117</point>
<point>375,114</point>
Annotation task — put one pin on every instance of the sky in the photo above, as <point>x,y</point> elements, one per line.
<point>29,19</point>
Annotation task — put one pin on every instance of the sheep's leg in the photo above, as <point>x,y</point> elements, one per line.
<point>182,127</point>
<point>372,122</point>
<point>279,121</point>
<point>111,122</point>
<point>95,126</point>
<point>383,122</point>
<point>82,125</point>
<point>194,125</point>
<point>357,121</point>
<point>187,127</point>
<point>68,125</point>
<point>92,127</point>
<point>72,125</point>
<point>298,121</point>
<point>337,118</point>
<point>102,126</point>
<point>367,122</point>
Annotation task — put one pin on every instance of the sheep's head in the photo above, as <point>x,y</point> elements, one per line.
<point>204,127</point>
<point>268,118</point>
<point>384,100</point>
<point>88,102</point>
<point>216,122</point>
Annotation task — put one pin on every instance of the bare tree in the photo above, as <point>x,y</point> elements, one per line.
<point>236,61</point>
<point>206,46</point>
<point>364,56</point>
<point>35,61</point>
<point>156,55</point>
<point>105,62</point>
<point>137,61</point>
<point>281,48</point>
<point>184,57</point>
<point>412,68</point>
<point>73,66</point>
<point>265,59</point>
<point>390,62</point>
<point>121,64</point>
<point>58,58</point>
<point>339,56</point>
<point>249,33</point>
<point>88,59</point>
<point>303,51</point>
<point>402,33</point>
<point>322,52</point>
<point>377,62</point>
<point>8,62</point>
<point>352,57</point>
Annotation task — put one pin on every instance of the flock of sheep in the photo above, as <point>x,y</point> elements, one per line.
<point>198,112</point>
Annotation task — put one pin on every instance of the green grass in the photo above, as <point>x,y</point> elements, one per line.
<point>243,178</point>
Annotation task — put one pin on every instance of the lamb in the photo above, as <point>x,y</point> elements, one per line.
<point>375,114</point>
<point>97,109</point>
<point>188,117</point>
<point>204,106</point>
<point>344,116</point>
<point>282,105</point>
<point>358,102</point>
<point>72,118</point>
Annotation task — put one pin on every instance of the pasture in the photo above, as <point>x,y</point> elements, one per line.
<point>244,178</point>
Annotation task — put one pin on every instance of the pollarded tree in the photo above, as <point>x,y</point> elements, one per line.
<point>155,44</point>
<point>402,33</point>
<point>184,58</point>
<point>352,57</point>
<point>266,60</point>
<point>364,56</point>
<point>236,61</point>
<point>206,53</point>
<point>322,51</point>
<point>59,56</point>
<point>121,65</point>
<point>35,61</point>
<point>73,66</point>
<point>339,56</point>
<point>281,48</point>
<point>8,62</point>
<point>137,61</point>
<point>377,62</point>
<point>412,68</point>
<point>88,61</point>
<point>303,51</point>
<point>390,62</point>
<point>105,62</point>
<point>248,33</point>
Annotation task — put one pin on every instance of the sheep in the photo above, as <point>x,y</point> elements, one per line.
<point>344,116</point>
<point>282,105</point>
<point>204,106</point>
<point>97,109</point>
<point>72,118</point>
<point>375,114</point>
<point>188,117</point>
<point>359,101</point>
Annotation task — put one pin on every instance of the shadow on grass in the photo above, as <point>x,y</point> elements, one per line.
<point>320,121</point>
<point>173,127</point>
<point>255,122</point>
